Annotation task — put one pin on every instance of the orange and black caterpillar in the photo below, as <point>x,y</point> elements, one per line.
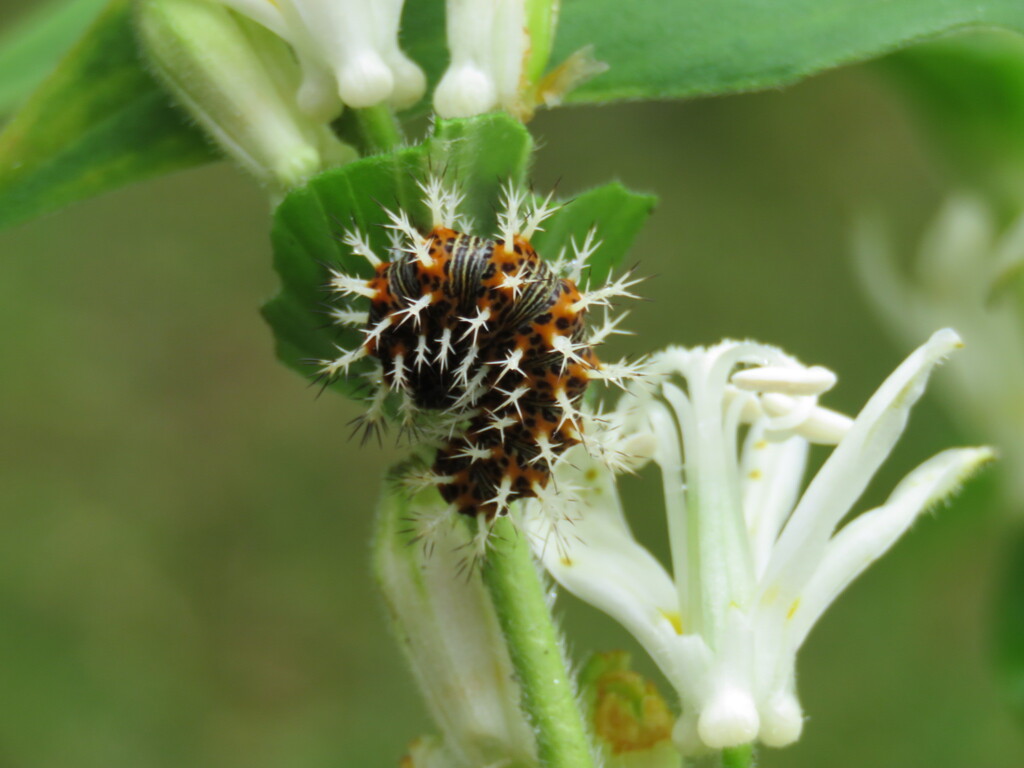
<point>488,336</point>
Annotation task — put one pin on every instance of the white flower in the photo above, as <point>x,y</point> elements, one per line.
<point>347,49</point>
<point>754,561</point>
<point>963,276</point>
<point>446,624</point>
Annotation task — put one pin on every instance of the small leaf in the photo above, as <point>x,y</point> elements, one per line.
<point>482,153</point>
<point>30,48</point>
<point>613,211</point>
<point>1009,630</point>
<point>307,227</point>
<point>99,122</point>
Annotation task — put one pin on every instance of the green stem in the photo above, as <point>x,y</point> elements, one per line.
<point>739,757</point>
<point>378,129</point>
<point>736,757</point>
<point>547,692</point>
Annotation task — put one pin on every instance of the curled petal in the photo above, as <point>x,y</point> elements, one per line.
<point>843,477</point>
<point>869,536</point>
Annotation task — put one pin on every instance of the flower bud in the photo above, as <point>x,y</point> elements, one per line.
<point>237,81</point>
<point>347,49</point>
<point>630,719</point>
<point>446,624</point>
<point>499,56</point>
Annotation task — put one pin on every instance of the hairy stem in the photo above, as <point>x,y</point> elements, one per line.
<point>547,691</point>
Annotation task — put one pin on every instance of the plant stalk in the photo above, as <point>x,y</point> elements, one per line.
<point>548,697</point>
<point>735,757</point>
<point>379,129</point>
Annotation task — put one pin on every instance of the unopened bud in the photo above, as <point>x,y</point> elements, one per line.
<point>238,81</point>
<point>631,721</point>
<point>499,57</point>
<point>446,624</point>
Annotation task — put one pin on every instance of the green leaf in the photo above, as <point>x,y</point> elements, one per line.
<point>98,122</point>
<point>679,48</point>
<point>30,48</point>
<point>482,154</point>
<point>616,215</point>
<point>661,49</point>
<point>1009,630</point>
<point>968,94</point>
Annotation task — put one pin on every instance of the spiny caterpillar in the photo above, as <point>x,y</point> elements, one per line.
<point>486,335</point>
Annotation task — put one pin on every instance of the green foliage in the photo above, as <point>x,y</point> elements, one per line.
<point>31,47</point>
<point>481,154</point>
<point>99,122</point>
<point>1009,634</point>
<point>968,93</point>
<point>615,212</point>
<point>662,49</point>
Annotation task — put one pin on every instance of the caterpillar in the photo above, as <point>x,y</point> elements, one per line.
<point>486,335</point>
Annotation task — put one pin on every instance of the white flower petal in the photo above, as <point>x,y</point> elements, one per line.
<point>782,720</point>
<point>772,475</point>
<point>669,457</point>
<point>262,12</point>
<point>729,719</point>
<point>468,87</point>
<point>843,477</point>
<point>510,43</point>
<point>600,562</point>
<point>718,561</point>
<point>409,81</point>
<point>870,535</point>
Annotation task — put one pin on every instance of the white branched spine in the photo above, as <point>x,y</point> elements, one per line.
<point>603,296</point>
<point>347,285</point>
<point>360,246</point>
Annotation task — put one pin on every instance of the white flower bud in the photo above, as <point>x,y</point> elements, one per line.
<point>446,624</point>
<point>499,56</point>
<point>234,79</point>
<point>347,49</point>
<point>729,719</point>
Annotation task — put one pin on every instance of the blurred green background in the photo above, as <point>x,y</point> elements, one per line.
<point>184,561</point>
